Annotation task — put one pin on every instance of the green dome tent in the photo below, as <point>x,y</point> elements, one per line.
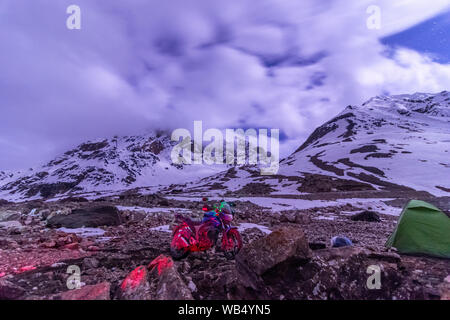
<point>422,229</point>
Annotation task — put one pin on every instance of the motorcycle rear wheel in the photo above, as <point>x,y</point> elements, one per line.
<point>178,254</point>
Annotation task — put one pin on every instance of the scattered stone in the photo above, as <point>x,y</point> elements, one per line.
<point>9,215</point>
<point>445,289</point>
<point>135,286</point>
<point>72,246</point>
<point>192,286</point>
<point>90,263</point>
<point>10,291</point>
<point>99,291</point>
<point>44,214</point>
<point>391,257</point>
<point>368,216</point>
<point>11,225</point>
<point>49,244</point>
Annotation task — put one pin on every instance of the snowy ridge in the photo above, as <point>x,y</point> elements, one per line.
<point>388,143</point>
<point>403,140</point>
<point>105,165</point>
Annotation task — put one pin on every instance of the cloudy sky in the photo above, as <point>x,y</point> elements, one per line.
<point>142,64</point>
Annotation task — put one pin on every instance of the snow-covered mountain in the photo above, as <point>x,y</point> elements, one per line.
<point>402,140</point>
<point>388,143</point>
<point>104,165</point>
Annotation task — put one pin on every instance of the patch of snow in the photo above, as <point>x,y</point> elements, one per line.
<point>244,226</point>
<point>84,232</point>
<point>325,218</point>
<point>164,228</point>
<point>152,210</point>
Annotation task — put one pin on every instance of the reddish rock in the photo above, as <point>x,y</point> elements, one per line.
<point>72,246</point>
<point>49,244</point>
<point>160,264</point>
<point>26,268</point>
<point>86,243</point>
<point>169,285</point>
<point>135,286</point>
<point>99,291</point>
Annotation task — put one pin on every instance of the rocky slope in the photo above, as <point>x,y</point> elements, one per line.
<point>286,255</point>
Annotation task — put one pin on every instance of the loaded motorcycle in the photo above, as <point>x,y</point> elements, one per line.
<point>191,236</point>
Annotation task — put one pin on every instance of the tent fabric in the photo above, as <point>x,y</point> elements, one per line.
<point>422,229</point>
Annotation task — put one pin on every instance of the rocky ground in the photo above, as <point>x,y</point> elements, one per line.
<point>123,253</point>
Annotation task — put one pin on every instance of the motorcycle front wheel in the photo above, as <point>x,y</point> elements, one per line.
<point>231,243</point>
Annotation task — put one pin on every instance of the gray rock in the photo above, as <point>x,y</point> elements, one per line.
<point>90,263</point>
<point>88,217</point>
<point>10,291</point>
<point>368,216</point>
<point>282,244</point>
<point>9,215</point>
<point>11,225</point>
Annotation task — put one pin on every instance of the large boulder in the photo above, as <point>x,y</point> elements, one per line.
<point>284,246</point>
<point>345,273</point>
<point>350,273</point>
<point>99,291</point>
<point>281,266</point>
<point>87,217</point>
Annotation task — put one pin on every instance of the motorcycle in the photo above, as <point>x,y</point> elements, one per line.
<point>190,236</point>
